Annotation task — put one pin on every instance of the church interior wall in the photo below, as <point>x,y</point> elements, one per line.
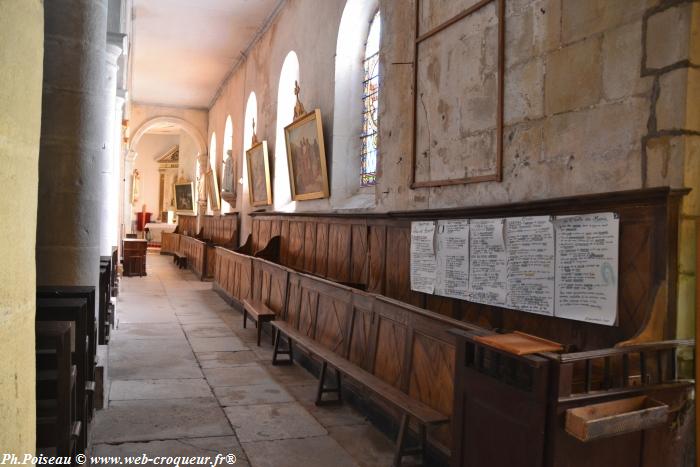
<point>21,71</point>
<point>596,99</point>
<point>150,148</point>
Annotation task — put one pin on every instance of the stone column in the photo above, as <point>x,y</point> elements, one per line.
<point>108,216</point>
<point>73,142</point>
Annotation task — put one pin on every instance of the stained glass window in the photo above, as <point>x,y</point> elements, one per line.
<point>370,107</point>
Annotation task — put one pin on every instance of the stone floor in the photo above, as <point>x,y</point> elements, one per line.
<point>185,379</point>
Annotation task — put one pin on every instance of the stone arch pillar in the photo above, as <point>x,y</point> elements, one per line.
<point>73,142</point>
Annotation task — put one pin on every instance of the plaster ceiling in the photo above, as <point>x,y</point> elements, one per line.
<point>182,50</point>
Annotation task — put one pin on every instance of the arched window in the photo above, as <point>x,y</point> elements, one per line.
<point>227,146</point>
<point>212,164</point>
<point>285,115</point>
<point>370,105</point>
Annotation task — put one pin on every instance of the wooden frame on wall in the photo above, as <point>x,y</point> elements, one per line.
<point>497,175</point>
<point>260,195</point>
<point>310,163</point>
<point>184,198</point>
<point>213,189</point>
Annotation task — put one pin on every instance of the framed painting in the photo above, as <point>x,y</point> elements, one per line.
<point>259,175</point>
<point>184,198</point>
<point>213,190</point>
<point>306,155</point>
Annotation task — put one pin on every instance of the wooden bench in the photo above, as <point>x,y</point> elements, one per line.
<point>411,408</point>
<point>258,312</point>
<point>56,423</point>
<point>75,310</point>
<point>180,259</point>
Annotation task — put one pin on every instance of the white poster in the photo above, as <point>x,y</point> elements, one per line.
<point>530,247</point>
<point>453,259</point>
<point>587,267</point>
<point>423,262</point>
<point>487,262</point>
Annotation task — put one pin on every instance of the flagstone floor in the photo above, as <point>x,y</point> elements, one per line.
<point>185,379</point>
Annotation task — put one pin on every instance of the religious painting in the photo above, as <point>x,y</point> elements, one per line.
<point>184,198</point>
<point>259,175</point>
<point>228,186</point>
<point>306,155</point>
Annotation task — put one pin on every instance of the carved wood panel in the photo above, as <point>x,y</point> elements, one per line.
<point>390,349</point>
<point>361,348</point>
<point>333,321</point>
<point>377,259</point>
<point>321,260</point>
<point>360,254</point>
<point>307,311</point>
<point>339,245</point>
<point>309,246</point>
<point>398,266</point>
<point>295,254</point>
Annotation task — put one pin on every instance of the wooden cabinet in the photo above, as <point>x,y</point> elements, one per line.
<point>135,257</point>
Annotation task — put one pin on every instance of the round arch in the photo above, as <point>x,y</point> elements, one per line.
<point>186,126</point>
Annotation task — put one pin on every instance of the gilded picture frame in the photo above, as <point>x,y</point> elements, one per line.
<point>306,156</point>
<point>213,189</point>
<point>184,198</point>
<point>259,186</point>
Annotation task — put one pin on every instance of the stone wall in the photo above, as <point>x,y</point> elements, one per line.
<point>21,55</point>
<point>599,96</point>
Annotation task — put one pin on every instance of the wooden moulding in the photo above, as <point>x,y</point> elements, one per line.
<point>615,418</point>
<point>519,343</point>
<point>497,175</point>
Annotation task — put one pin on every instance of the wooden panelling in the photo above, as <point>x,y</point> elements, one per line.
<point>398,266</point>
<point>321,259</point>
<point>195,251</point>
<point>377,259</point>
<point>187,225</point>
<point>361,346</point>
<point>269,284</point>
<point>380,261</point>
<point>264,234</point>
<point>390,350</point>
<point>309,246</point>
<point>233,273</point>
<point>170,242</point>
<point>295,252</point>
<point>359,255</point>
<point>339,255</point>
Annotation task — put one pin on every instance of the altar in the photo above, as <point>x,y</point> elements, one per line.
<point>156,230</point>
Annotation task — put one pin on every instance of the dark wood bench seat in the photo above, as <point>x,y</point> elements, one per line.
<point>180,259</point>
<point>410,407</point>
<point>258,312</point>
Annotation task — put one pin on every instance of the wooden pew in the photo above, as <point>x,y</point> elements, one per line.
<point>105,306</point>
<point>401,354</point>
<point>56,378</point>
<point>74,310</point>
<point>195,250</point>
<point>89,294</point>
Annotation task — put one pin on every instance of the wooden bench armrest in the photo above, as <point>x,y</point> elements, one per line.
<point>258,308</point>
<point>413,407</point>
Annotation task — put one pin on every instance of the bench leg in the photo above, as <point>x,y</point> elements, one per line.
<point>245,318</point>
<point>258,324</point>
<point>402,450</point>
<point>277,351</point>
<point>322,389</point>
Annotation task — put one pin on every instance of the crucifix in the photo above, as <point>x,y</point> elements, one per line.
<point>299,107</point>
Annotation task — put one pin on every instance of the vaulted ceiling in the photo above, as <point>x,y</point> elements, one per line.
<point>182,50</point>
